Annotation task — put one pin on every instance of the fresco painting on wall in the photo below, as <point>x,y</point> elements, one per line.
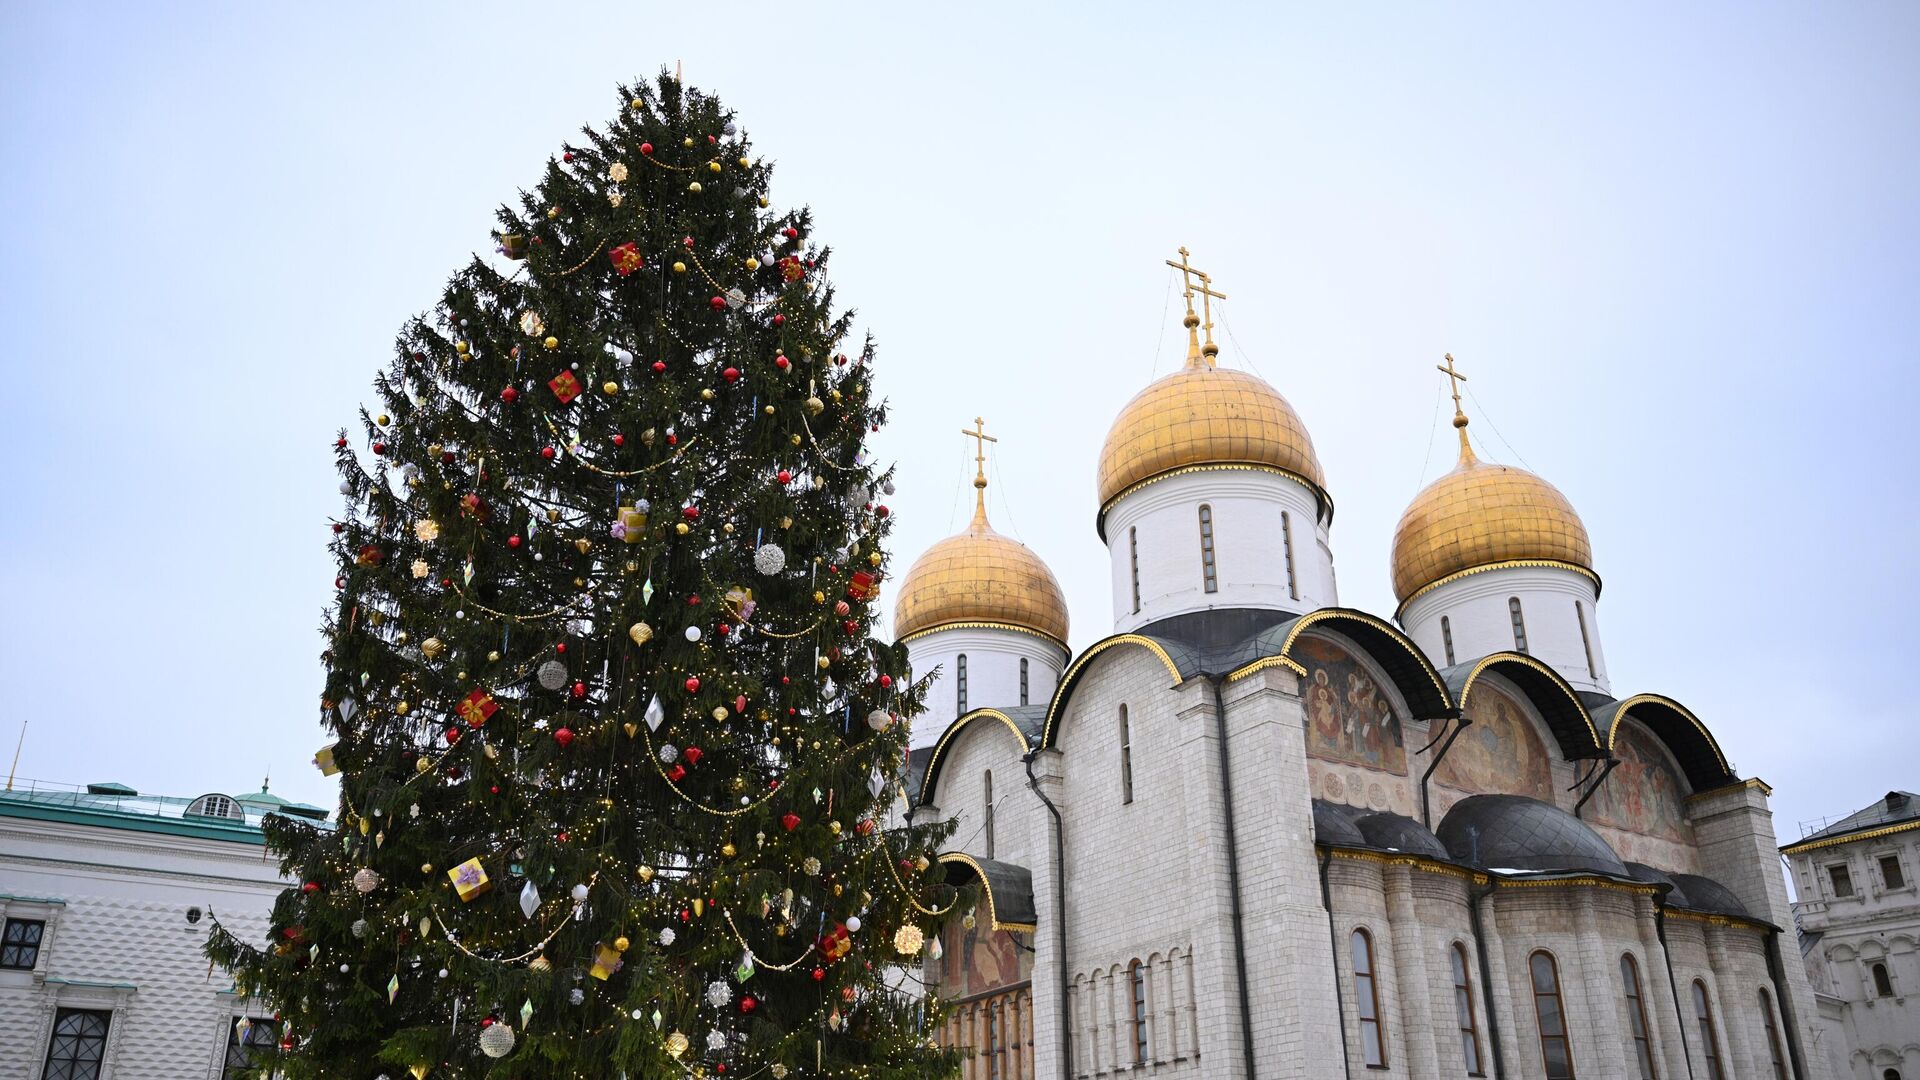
<point>1349,715</point>
<point>1645,794</point>
<point>1500,753</point>
<point>979,959</point>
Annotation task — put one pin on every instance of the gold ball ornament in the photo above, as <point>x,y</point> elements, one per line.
<point>713,166</point>
<point>763,202</point>
<point>553,213</point>
<point>610,388</point>
<point>462,348</point>
<point>814,406</point>
<point>681,528</point>
<point>834,828</point>
<point>688,141</point>
<point>540,963</point>
<point>727,850</point>
<point>825,663</point>
<point>432,647</point>
<point>550,342</point>
<point>719,712</point>
<point>427,868</point>
<point>694,187</point>
<point>744,163</point>
<point>640,632</point>
<point>383,420</point>
<point>402,709</point>
<point>768,409</point>
<point>494,656</point>
<point>679,267</point>
<point>753,263</point>
<point>621,944</point>
<point>676,1045</point>
<point>873,559</point>
<point>421,765</point>
<point>706,395</point>
<point>794,439</point>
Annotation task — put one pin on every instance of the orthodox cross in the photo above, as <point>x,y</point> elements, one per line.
<point>1456,378</point>
<point>980,440</point>
<point>1207,297</point>
<point>1459,416</point>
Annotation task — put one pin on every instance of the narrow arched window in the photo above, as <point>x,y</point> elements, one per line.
<point>1463,1012</point>
<point>1286,543</point>
<point>1137,983</point>
<point>960,685</point>
<point>1882,981</point>
<point>1366,994</point>
<point>1778,1059</point>
<point>1637,1030</point>
<point>987,801</point>
<point>1519,624</point>
<point>1023,680</point>
<point>1556,1053</point>
<point>1133,566</point>
<point>1580,615</point>
<point>1446,638</point>
<point>1209,579</point>
<point>1709,1038</point>
<point>1126,757</point>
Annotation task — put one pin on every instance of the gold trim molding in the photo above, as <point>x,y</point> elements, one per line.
<point>952,732</point>
<point>1504,564</point>
<point>1073,669</point>
<point>1833,841</point>
<point>982,624</point>
<point>1319,492</point>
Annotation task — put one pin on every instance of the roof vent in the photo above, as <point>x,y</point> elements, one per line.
<point>1896,800</point>
<point>111,788</point>
<point>216,806</point>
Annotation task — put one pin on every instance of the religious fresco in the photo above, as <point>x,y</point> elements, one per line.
<point>1350,716</point>
<point>1500,753</point>
<point>979,959</point>
<point>1645,794</point>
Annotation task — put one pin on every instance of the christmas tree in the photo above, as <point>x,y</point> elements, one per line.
<point>616,745</point>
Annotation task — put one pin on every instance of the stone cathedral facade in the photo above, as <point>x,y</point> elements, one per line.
<point>1253,833</point>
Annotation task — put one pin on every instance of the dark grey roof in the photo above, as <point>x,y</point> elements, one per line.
<point>916,772</point>
<point>1692,746</point>
<point>1708,895</point>
<point>1896,807</point>
<point>1032,719</point>
<point>1009,888</point>
<point>1392,832</point>
<point>1513,832</point>
<point>1676,896</point>
<point>1333,825</point>
<point>1560,705</point>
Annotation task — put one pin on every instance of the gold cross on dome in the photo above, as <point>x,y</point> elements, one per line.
<point>1454,375</point>
<point>1207,296</point>
<point>980,440</point>
<point>1459,416</point>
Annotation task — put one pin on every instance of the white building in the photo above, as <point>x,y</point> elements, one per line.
<point>1252,833</point>
<point>1858,882</point>
<point>106,897</point>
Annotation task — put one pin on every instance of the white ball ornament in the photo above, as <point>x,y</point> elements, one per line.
<point>716,1041</point>
<point>879,720</point>
<point>853,924</point>
<point>769,559</point>
<point>719,994</point>
<point>693,633</point>
<point>666,935</point>
<point>579,894</point>
<point>365,880</point>
<point>496,1040</point>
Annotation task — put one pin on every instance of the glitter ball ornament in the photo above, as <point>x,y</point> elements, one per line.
<point>359,928</point>
<point>496,1040</point>
<point>553,674</point>
<point>769,559</point>
<point>879,720</point>
<point>719,993</point>
<point>908,939</point>
<point>365,880</point>
<point>576,996</point>
<point>668,752</point>
<point>716,1041</point>
<point>666,936</point>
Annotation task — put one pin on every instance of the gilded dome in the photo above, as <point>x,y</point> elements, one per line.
<point>1205,415</point>
<point>980,576</point>
<point>1480,515</point>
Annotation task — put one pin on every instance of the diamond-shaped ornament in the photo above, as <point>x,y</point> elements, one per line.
<point>348,707</point>
<point>745,970</point>
<point>393,989</point>
<point>655,714</point>
<point>646,592</point>
<point>526,1013</point>
<point>529,900</point>
<point>876,783</point>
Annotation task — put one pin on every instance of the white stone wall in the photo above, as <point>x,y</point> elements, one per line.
<point>1878,924</point>
<point>1250,556</point>
<point>117,938</point>
<point>993,673</point>
<point>1481,622</point>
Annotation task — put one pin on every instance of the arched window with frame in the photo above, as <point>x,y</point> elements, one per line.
<point>1519,624</point>
<point>1286,543</point>
<point>1639,1034</point>
<point>987,816</point>
<point>1137,987</point>
<point>1778,1059</point>
<point>1209,577</point>
<point>1882,981</point>
<point>1126,757</point>
<point>1023,680</point>
<point>1133,560</point>
<point>1463,1012</point>
<point>1586,643</point>
<point>1709,1037</point>
<point>1550,1013</point>
<point>960,685</point>
<point>1446,638</point>
<point>1366,996</point>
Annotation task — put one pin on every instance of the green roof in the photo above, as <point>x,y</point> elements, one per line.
<point>116,806</point>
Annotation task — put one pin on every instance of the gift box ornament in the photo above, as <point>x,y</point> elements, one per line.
<point>606,961</point>
<point>323,760</point>
<point>633,524</point>
<point>470,879</point>
<point>863,586</point>
<point>478,707</point>
<point>564,386</point>
<point>626,258</point>
<point>514,245</point>
<point>836,943</point>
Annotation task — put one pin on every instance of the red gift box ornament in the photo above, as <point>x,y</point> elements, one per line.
<point>863,586</point>
<point>477,708</point>
<point>791,270</point>
<point>626,258</point>
<point>835,944</point>
<point>370,555</point>
<point>564,386</point>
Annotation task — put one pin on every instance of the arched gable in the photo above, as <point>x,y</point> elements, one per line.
<point>1502,747</point>
<point>1692,745</point>
<point>1556,702</point>
<point>1645,793</point>
<point>1412,675</point>
<point>1007,889</point>
<point>1355,713</point>
<point>941,750</point>
<point>1168,653</point>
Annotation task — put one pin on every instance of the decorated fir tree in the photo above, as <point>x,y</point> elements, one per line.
<point>616,745</point>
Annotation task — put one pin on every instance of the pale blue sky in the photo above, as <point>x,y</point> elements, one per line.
<point>1675,249</point>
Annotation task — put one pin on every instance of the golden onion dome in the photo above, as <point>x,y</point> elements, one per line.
<point>1202,416</point>
<point>981,578</point>
<point>1481,516</point>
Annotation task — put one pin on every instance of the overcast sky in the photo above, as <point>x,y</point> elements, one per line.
<point>1675,247</point>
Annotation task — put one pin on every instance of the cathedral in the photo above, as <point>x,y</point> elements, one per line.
<point>1253,833</point>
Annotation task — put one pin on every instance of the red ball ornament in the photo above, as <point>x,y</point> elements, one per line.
<point>579,690</point>
<point>881,510</point>
<point>509,395</point>
<point>790,821</point>
<point>453,771</point>
<point>886,681</point>
<point>446,457</point>
<point>561,836</point>
<point>687,242</point>
<point>784,477</point>
<point>739,703</point>
<point>646,148</point>
<point>692,512</point>
<point>732,375</point>
<point>567,157</point>
<point>747,1005</point>
<point>494,790</point>
<point>310,887</point>
<point>693,684</point>
<point>694,600</point>
<point>561,648</point>
<point>659,366</point>
<point>782,363</point>
<point>619,440</point>
<point>514,541</point>
<point>379,448</point>
<point>547,452</point>
<point>791,233</point>
<point>339,444</point>
<point>718,303</point>
<point>786,680</point>
<point>563,736</point>
<point>819,974</point>
<point>672,439</point>
<point>779,320</point>
<point>453,735</point>
<point>340,582</point>
<point>339,528</point>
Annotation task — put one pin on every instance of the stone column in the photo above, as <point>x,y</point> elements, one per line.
<point>1736,1041</point>
<point>1049,1048</point>
<point>1733,827</point>
<point>1594,983</point>
<point>1513,1000</point>
<point>1416,1020</point>
<point>1669,1046</point>
<point>1220,1043</point>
